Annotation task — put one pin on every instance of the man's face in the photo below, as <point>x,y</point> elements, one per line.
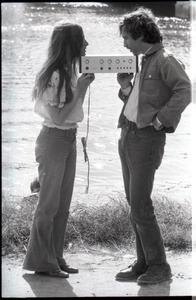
<point>135,46</point>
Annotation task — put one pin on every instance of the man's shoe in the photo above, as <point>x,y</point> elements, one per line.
<point>132,272</point>
<point>156,274</point>
<point>66,268</point>
<point>56,273</point>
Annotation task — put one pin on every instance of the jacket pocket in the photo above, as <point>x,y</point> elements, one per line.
<point>151,82</point>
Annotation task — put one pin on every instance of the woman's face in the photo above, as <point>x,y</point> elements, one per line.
<point>84,46</point>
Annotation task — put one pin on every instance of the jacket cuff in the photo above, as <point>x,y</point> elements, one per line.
<point>165,122</point>
<point>123,96</point>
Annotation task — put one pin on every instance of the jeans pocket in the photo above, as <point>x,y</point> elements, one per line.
<point>40,147</point>
<point>157,152</point>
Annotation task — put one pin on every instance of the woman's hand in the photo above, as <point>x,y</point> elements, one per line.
<point>85,79</point>
<point>124,79</point>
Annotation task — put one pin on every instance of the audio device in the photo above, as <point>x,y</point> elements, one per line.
<point>108,64</point>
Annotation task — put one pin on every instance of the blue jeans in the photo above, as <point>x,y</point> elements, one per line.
<point>56,154</point>
<point>141,152</point>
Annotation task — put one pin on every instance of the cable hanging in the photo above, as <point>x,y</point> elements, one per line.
<point>84,141</point>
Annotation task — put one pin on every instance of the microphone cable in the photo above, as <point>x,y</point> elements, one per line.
<point>84,141</point>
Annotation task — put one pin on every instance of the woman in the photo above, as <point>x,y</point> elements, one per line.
<point>58,98</point>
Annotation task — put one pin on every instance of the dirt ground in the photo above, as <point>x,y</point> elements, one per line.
<point>96,277</point>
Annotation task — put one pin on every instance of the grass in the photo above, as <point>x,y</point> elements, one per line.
<point>105,225</point>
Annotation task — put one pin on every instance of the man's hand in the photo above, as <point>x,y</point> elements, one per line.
<point>157,124</point>
<point>124,79</point>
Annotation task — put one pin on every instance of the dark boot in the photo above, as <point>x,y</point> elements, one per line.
<point>132,272</point>
<point>155,274</point>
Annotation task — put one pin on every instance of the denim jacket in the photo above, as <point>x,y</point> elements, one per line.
<point>164,90</point>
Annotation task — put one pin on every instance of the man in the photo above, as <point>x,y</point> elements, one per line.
<point>152,108</point>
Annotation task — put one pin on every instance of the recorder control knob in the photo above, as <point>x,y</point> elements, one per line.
<point>87,61</point>
<point>109,61</point>
<point>101,61</point>
<point>130,60</point>
<point>117,61</point>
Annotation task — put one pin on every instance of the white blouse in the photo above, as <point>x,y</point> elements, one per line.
<point>49,97</point>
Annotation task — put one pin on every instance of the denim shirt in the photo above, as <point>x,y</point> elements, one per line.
<point>164,90</point>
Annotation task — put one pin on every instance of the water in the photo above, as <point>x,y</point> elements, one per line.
<point>26,29</point>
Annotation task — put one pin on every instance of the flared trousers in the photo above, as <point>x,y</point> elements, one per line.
<point>56,156</point>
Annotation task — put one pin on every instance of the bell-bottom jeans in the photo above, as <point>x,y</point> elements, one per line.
<point>55,153</point>
<point>141,152</point>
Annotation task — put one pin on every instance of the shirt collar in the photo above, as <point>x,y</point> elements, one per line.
<point>154,48</point>
<point>148,50</point>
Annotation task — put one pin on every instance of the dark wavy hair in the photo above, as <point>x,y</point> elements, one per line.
<point>66,38</point>
<point>141,22</point>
